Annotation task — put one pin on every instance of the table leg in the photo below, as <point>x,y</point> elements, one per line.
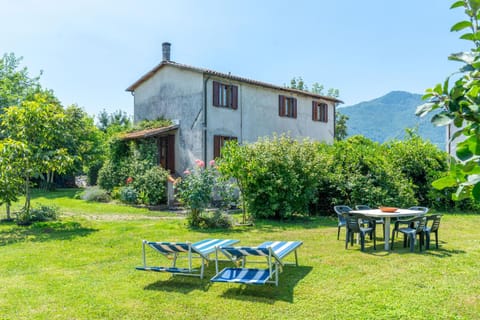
<point>386,236</point>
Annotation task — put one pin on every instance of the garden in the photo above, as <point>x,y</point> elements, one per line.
<point>83,267</point>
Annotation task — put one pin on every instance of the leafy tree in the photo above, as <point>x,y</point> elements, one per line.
<point>340,126</point>
<point>37,124</point>
<point>11,172</point>
<point>15,84</point>
<point>118,121</point>
<point>459,105</point>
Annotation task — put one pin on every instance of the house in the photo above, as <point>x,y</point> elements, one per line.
<point>209,108</point>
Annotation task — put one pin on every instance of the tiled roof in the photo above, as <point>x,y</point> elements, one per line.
<point>149,74</point>
<point>148,133</point>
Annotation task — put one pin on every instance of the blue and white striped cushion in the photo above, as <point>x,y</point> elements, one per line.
<point>207,246</point>
<point>245,251</point>
<point>281,248</point>
<point>241,275</point>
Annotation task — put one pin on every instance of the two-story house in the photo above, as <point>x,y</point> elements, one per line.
<point>209,108</point>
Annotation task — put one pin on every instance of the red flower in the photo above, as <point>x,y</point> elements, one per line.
<point>129,180</point>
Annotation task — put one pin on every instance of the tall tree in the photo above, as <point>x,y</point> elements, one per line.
<point>116,121</point>
<point>37,123</point>
<point>16,84</point>
<point>459,104</point>
<point>340,126</point>
<point>11,172</point>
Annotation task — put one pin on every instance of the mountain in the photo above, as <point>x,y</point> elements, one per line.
<point>387,117</point>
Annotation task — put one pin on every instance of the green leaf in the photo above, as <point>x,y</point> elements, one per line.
<point>468,36</point>
<point>476,192</point>
<point>457,4</point>
<point>445,86</point>
<point>441,119</point>
<point>444,182</point>
<point>463,192</point>
<point>463,152</point>
<point>424,109</point>
<point>461,25</point>
<point>467,57</point>
<point>458,122</point>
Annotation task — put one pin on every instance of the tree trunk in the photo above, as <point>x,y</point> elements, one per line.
<point>8,211</point>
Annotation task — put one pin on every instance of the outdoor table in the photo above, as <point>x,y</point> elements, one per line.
<point>377,213</point>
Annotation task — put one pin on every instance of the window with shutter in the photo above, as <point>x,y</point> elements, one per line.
<point>287,107</point>
<point>319,111</point>
<point>218,143</point>
<point>225,95</point>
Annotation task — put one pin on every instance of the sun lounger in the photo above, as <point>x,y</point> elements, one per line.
<point>174,250</point>
<point>273,251</point>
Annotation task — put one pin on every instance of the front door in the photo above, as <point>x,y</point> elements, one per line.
<point>166,152</point>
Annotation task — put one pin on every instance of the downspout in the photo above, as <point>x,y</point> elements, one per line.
<point>205,119</point>
<point>334,121</point>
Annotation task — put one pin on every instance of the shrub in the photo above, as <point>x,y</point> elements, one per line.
<point>215,219</point>
<point>196,190</point>
<point>43,213</point>
<point>278,177</point>
<point>152,186</point>
<point>128,195</point>
<point>95,194</point>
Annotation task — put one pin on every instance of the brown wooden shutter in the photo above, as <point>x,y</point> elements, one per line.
<point>217,143</point>
<point>281,105</point>
<point>314,111</point>
<point>295,108</point>
<point>216,91</point>
<point>171,154</point>
<point>234,97</point>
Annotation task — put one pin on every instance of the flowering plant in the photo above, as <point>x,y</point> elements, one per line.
<point>197,188</point>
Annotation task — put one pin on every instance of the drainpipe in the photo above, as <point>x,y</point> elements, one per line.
<point>205,119</point>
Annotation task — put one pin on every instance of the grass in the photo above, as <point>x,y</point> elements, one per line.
<point>82,267</point>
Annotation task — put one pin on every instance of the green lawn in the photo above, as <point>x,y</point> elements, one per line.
<point>83,267</point>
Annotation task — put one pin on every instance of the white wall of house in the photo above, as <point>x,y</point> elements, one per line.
<point>175,94</point>
<point>257,116</point>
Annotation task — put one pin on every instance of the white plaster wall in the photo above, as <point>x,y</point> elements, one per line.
<point>257,116</point>
<point>175,94</point>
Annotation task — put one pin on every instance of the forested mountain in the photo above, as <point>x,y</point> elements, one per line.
<point>387,118</point>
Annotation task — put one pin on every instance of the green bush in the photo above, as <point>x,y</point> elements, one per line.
<point>215,219</point>
<point>128,194</point>
<point>152,186</point>
<point>42,213</point>
<point>278,176</point>
<point>95,194</point>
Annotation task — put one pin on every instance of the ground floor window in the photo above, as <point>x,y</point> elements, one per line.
<point>218,143</point>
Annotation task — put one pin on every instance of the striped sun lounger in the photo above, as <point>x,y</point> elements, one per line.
<point>174,250</point>
<point>273,251</point>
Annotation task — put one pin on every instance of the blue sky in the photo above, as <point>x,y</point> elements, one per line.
<point>90,51</point>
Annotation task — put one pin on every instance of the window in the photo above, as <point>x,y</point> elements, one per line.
<point>166,152</point>
<point>319,111</point>
<point>218,143</point>
<point>225,95</point>
<point>287,107</point>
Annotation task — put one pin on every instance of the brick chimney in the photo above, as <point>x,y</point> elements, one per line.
<point>166,51</point>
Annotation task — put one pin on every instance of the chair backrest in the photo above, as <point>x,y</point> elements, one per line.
<point>436,221</point>
<point>341,212</point>
<point>362,207</point>
<point>419,223</point>
<point>169,247</point>
<point>352,222</point>
<point>416,208</point>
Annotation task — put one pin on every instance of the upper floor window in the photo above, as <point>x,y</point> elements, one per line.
<point>225,95</point>
<point>218,143</point>
<point>287,107</point>
<point>319,111</point>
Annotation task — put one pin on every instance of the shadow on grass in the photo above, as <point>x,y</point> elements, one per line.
<point>182,284</point>
<point>270,226</point>
<point>270,293</point>
<point>43,231</point>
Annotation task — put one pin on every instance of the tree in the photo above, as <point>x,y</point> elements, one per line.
<point>37,124</point>
<point>340,126</point>
<point>118,119</point>
<point>459,106</point>
<point>15,84</point>
<point>11,181</point>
